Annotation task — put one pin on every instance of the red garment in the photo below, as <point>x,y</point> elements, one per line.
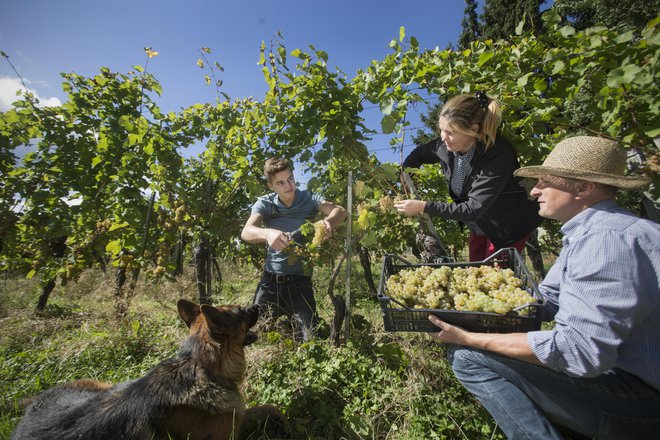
<point>481,247</point>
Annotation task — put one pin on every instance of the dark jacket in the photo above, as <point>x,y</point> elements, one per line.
<point>491,197</point>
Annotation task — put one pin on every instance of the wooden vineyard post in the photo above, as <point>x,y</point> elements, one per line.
<point>349,208</point>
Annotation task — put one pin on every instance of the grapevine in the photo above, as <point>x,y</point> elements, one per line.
<point>322,248</point>
<point>111,145</point>
<point>478,289</point>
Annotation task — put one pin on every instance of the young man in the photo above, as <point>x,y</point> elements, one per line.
<point>285,287</point>
<point>597,372</point>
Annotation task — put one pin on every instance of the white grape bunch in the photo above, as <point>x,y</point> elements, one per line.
<point>483,288</point>
<point>320,233</point>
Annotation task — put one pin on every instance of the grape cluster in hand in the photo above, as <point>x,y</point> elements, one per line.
<point>323,244</point>
<point>475,288</point>
<point>320,233</point>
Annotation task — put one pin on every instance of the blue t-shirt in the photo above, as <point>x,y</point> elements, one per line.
<point>277,216</point>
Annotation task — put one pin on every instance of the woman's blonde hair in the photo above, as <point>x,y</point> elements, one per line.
<point>463,111</point>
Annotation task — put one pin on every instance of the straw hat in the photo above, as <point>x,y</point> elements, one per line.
<point>588,158</point>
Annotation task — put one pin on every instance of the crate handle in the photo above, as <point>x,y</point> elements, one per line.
<point>538,303</point>
<point>400,258</point>
<point>402,305</point>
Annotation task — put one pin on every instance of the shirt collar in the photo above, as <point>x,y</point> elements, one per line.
<point>465,156</point>
<point>573,226</point>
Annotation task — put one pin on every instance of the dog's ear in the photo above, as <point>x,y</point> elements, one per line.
<point>188,311</point>
<point>219,320</point>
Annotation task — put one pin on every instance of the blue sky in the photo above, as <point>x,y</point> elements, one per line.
<point>44,38</point>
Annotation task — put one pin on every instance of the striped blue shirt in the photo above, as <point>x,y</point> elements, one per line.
<point>603,294</point>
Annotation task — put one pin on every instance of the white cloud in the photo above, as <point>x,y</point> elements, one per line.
<point>9,87</point>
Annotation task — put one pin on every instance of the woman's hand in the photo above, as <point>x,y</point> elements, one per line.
<point>410,207</point>
<point>448,333</point>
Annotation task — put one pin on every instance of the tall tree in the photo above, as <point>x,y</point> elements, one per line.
<point>501,17</point>
<point>617,15</point>
<point>498,21</point>
<point>620,15</point>
<point>471,28</point>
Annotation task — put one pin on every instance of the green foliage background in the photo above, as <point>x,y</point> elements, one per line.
<point>109,147</point>
<point>94,164</point>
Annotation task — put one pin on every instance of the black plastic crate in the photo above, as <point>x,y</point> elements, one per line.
<point>399,317</point>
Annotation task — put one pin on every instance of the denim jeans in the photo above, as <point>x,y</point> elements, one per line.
<point>528,401</point>
<point>293,299</point>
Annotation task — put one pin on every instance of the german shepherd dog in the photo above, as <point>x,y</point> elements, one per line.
<point>192,396</point>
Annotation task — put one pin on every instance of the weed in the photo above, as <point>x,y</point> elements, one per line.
<point>378,385</point>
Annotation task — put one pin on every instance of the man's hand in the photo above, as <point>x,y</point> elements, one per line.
<point>328,229</point>
<point>513,345</point>
<point>410,207</point>
<point>277,240</point>
<point>448,333</point>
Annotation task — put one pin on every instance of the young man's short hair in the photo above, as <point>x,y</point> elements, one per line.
<point>274,165</point>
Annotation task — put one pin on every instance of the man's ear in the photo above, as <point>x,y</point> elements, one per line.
<point>585,188</point>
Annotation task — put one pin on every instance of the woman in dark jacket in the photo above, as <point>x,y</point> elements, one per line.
<point>478,165</point>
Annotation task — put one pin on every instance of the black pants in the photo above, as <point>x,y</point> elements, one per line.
<point>291,296</point>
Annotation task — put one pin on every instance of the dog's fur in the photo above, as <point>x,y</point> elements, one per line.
<point>192,396</point>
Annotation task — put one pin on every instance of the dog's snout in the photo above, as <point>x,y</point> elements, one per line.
<point>253,314</point>
<point>250,337</point>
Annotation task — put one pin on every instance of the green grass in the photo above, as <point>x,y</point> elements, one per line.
<point>378,385</point>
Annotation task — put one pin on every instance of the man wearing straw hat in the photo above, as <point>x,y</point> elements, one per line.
<point>597,371</point>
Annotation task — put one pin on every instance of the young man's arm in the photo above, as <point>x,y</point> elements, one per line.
<point>334,214</point>
<point>253,233</point>
<point>513,345</point>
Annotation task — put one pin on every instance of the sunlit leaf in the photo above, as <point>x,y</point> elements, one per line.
<point>558,67</point>
<point>366,219</point>
<point>522,81</point>
<point>388,124</point>
<point>653,133</point>
<point>358,188</point>
<point>567,31</point>
<point>116,226</point>
<point>387,106</point>
<point>520,27</point>
<point>540,85</point>
<point>113,247</point>
<point>484,57</point>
